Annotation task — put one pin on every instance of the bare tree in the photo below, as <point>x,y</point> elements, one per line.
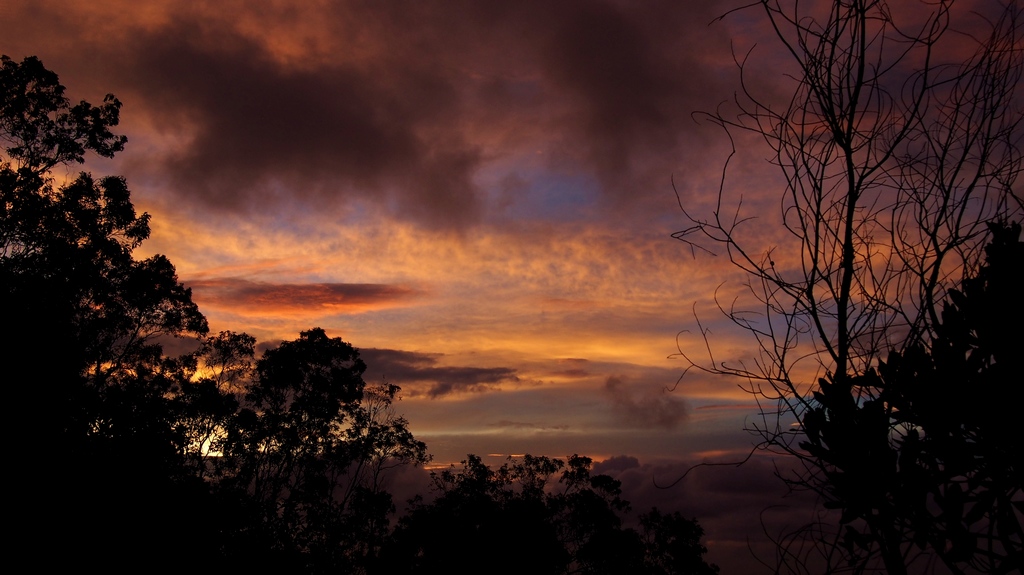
<point>897,151</point>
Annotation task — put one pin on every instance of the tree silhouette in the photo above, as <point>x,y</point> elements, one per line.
<point>895,161</point>
<point>950,478</point>
<point>301,448</point>
<point>519,515</point>
<point>81,318</point>
<point>41,128</point>
<point>210,458</point>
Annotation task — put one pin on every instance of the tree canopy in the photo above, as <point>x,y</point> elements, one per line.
<point>522,516</point>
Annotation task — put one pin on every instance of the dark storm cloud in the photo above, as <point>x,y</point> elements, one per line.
<point>618,79</point>
<point>399,104</point>
<point>245,295</point>
<point>634,72</point>
<point>646,410</point>
<point>261,128</point>
<point>407,367</point>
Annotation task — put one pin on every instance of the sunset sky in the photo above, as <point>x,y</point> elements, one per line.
<point>478,195</point>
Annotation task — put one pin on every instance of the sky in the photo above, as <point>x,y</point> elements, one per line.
<point>479,196</point>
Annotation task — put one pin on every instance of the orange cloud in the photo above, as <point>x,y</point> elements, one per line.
<point>250,297</point>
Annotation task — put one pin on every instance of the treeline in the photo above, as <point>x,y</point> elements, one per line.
<point>128,458</point>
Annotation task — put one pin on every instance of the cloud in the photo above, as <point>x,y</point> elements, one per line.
<point>399,107</point>
<point>744,407</point>
<point>571,368</point>
<point>508,424</point>
<point>739,507</point>
<point>648,410</point>
<point>618,463</point>
<point>405,367</point>
<point>263,298</point>
<point>633,73</point>
<point>260,130</point>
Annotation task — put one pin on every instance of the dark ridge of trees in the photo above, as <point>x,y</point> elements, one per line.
<point>520,519</point>
<point>124,458</point>
<point>888,328</point>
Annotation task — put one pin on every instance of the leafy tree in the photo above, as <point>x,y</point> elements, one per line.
<point>309,448</point>
<point>68,269</point>
<point>519,516</point>
<point>210,458</point>
<point>896,163</point>
<point>40,126</point>
<point>477,517</point>
<point>207,402</point>
<point>921,460</point>
<point>95,400</point>
<point>673,545</point>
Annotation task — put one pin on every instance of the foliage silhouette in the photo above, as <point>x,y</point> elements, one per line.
<point>572,525</point>
<point>40,126</point>
<point>308,448</point>
<point>951,478</point>
<point>208,458</point>
<point>898,169</point>
<point>74,298</point>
